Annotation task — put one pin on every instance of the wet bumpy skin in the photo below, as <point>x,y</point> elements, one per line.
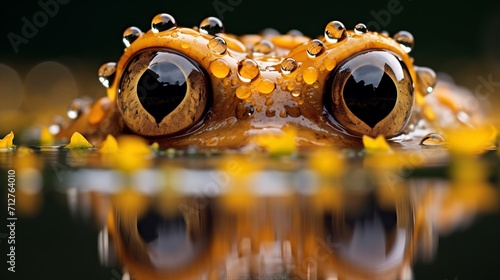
<point>203,87</point>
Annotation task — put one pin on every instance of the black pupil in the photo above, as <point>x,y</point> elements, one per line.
<point>161,89</point>
<point>370,94</point>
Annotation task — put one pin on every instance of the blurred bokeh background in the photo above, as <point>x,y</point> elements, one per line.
<point>50,53</point>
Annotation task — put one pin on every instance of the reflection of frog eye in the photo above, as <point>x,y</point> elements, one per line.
<point>162,92</point>
<point>371,94</point>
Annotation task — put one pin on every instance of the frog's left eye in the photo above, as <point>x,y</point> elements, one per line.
<point>371,94</point>
<point>162,92</point>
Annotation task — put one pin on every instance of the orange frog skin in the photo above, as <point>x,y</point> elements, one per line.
<point>202,87</point>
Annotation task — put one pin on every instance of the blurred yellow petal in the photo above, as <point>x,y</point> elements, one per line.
<point>78,142</point>
<point>46,138</point>
<point>110,145</point>
<point>471,141</point>
<point>155,146</point>
<point>327,161</point>
<point>375,145</point>
<point>133,153</point>
<point>283,144</point>
<point>7,141</point>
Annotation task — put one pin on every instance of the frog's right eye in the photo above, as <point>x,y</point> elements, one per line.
<point>162,92</point>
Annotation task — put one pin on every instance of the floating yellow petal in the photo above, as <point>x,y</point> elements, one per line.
<point>110,145</point>
<point>327,161</point>
<point>134,153</point>
<point>78,142</point>
<point>46,138</point>
<point>471,141</point>
<point>7,141</point>
<point>375,145</point>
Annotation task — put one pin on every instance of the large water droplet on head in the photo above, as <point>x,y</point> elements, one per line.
<point>264,47</point>
<point>212,26</point>
<point>310,75</point>
<point>130,35</point>
<point>426,78</point>
<point>106,73</point>
<point>315,48</point>
<point>163,22</point>
<point>78,106</point>
<point>243,92</point>
<point>405,40</point>
<point>266,86</point>
<point>288,65</point>
<point>217,45</point>
<point>219,68</point>
<point>335,31</point>
<point>247,70</point>
<point>432,139</point>
<point>360,28</point>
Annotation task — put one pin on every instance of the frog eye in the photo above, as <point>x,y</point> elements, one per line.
<point>371,94</point>
<point>162,92</point>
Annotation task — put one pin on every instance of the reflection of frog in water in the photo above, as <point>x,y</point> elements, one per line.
<point>203,87</point>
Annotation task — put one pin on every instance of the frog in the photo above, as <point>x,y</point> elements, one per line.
<point>203,87</point>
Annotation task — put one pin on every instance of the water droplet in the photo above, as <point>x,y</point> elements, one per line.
<point>77,107</point>
<point>296,92</point>
<point>295,33</point>
<point>219,68</point>
<point>266,86</point>
<point>269,33</point>
<point>291,85</point>
<point>283,114</point>
<point>243,92</point>
<point>264,47</point>
<point>310,75</point>
<point>463,117</point>
<point>315,48</point>
<point>426,78</point>
<point>360,28</point>
<point>211,26</point>
<point>244,111</point>
<point>130,35</point>
<point>269,102</point>
<point>247,70</point>
<point>270,112</point>
<point>330,63</point>
<point>335,31</point>
<point>288,65</point>
<point>432,139</point>
<point>217,45</point>
<point>299,78</point>
<point>405,40</point>
<point>292,111</point>
<point>163,22</point>
<point>106,73</point>
<point>185,45</point>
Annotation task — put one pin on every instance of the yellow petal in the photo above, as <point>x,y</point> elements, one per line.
<point>327,161</point>
<point>78,142</point>
<point>7,141</point>
<point>471,141</point>
<point>134,153</point>
<point>110,145</point>
<point>46,138</point>
<point>283,144</point>
<point>375,145</point>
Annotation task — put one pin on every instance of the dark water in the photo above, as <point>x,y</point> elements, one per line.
<point>292,223</point>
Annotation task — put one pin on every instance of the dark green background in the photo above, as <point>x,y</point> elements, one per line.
<point>450,36</point>
<point>91,32</point>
